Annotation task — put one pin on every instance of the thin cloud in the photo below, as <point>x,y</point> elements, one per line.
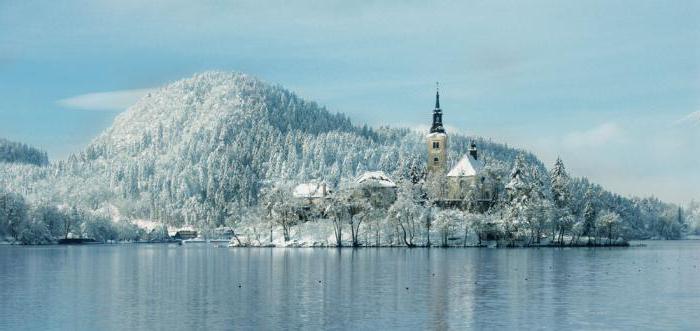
<point>692,119</point>
<point>104,101</point>
<point>596,136</point>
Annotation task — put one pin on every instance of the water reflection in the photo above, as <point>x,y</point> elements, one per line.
<point>162,287</point>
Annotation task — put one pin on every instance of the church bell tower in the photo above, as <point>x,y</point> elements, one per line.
<point>437,140</point>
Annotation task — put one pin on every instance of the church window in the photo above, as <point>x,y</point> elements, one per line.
<point>436,144</point>
<point>436,160</point>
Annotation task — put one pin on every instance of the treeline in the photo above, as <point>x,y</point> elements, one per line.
<point>15,152</point>
<point>533,208</point>
<point>43,223</point>
<point>692,214</point>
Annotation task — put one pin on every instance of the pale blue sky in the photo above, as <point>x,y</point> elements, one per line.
<point>604,84</point>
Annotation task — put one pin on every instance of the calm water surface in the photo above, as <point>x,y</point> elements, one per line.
<point>130,287</point>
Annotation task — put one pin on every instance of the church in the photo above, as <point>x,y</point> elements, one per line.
<point>461,179</point>
<point>465,174</point>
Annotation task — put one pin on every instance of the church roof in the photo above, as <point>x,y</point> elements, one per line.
<point>375,178</point>
<point>466,167</point>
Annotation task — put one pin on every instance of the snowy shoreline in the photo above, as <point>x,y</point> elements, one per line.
<point>333,246</point>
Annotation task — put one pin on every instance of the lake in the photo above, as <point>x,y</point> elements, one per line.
<point>161,286</point>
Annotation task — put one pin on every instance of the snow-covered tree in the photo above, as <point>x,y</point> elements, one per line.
<point>337,211</point>
<point>358,208</point>
<point>527,209</point>
<point>590,213</point>
<point>608,223</point>
<point>99,228</point>
<point>448,222</point>
<point>34,231</point>
<point>561,198</point>
<point>280,209</point>
<point>406,215</point>
<point>692,215</point>
<point>13,213</point>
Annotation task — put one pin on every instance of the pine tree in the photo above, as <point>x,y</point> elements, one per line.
<point>561,198</point>
<point>519,200</point>
<point>589,214</point>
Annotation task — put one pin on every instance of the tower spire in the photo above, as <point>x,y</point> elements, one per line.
<point>437,139</point>
<point>437,95</point>
<point>437,112</point>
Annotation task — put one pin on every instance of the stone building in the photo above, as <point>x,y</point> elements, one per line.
<point>437,141</point>
<point>466,174</point>
<point>376,187</point>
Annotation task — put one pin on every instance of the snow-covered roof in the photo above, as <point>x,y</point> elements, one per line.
<point>466,167</point>
<point>310,190</point>
<point>172,231</point>
<point>186,228</point>
<point>436,134</point>
<point>375,178</point>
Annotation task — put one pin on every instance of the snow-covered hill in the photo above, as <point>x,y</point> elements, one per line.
<point>200,149</point>
<point>217,138</point>
<point>212,102</point>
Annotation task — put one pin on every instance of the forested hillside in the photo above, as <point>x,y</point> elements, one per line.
<point>201,150</point>
<point>15,152</point>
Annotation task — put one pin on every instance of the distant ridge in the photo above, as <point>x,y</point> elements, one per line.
<point>15,152</point>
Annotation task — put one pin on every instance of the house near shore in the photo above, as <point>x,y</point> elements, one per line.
<point>376,187</point>
<point>311,193</point>
<point>185,233</point>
